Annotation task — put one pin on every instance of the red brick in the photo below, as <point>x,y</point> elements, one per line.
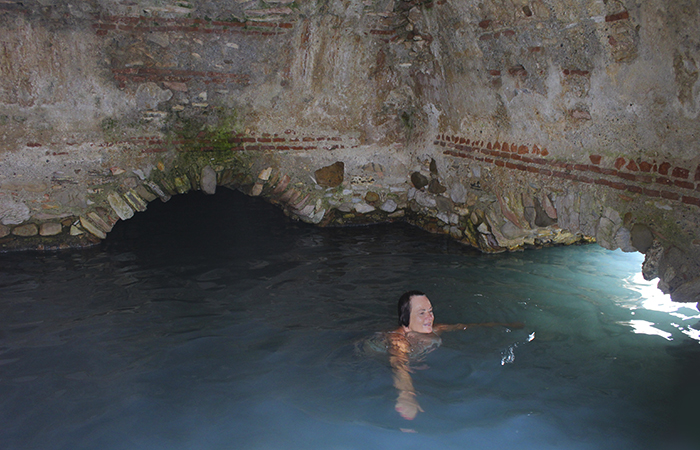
<point>619,162</point>
<point>495,73</point>
<point>544,152</point>
<point>488,145</point>
<point>500,163</point>
<point>635,189</point>
<point>33,144</point>
<point>497,146</point>
<point>489,160</point>
<point>697,173</point>
<point>264,140</point>
<point>645,178</point>
<point>595,169</point>
<point>619,16</point>
<point>670,195</point>
<point>582,167</point>
<point>632,166</point>
<point>533,169</point>
<point>509,33</point>
<point>278,139</point>
<point>484,23</point>
<point>286,25</point>
<point>684,184</point>
<point>663,168</point>
<point>515,156</point>
<point>680,172</point>
<point>664,181</point>
<point>627,176</point>
<point>545,172</point>
<point>645,166</point>
<point>523,150</point>
<point>595,159</point>
<point>651,192</point>
<point>691,200</point>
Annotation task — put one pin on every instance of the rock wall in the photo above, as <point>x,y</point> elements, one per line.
<point>505,124</point>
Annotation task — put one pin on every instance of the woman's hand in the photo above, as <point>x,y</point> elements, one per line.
<point>407,405</point>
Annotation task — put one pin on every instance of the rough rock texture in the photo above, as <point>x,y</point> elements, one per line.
<point>505,125</point>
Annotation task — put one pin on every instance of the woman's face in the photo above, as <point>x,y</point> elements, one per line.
<point>421,315</point>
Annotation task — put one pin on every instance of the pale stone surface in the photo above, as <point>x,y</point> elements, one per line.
<point>4,230</point>
<point>26,230</point>
<point>389,206</point>
<point>50,228</point>
<point>13,213</point>
<point>364,208</point>
<point>208,180</point>
<point>119,206</point>
<point>91,228</point>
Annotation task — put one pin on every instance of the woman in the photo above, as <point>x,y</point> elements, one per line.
<point>416,337</point>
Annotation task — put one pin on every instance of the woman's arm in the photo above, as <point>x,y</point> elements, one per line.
<point>406,403</point>
<point>463,326</point>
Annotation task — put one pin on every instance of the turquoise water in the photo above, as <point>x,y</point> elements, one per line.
<point>217,323</point>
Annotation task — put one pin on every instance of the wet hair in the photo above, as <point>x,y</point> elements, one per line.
<point>405,306</point>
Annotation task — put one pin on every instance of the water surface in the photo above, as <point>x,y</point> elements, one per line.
<point>217,323</point>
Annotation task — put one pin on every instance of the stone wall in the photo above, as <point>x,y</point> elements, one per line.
<point>505,124</point>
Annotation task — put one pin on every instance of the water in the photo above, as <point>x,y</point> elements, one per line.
<point>216,323</point>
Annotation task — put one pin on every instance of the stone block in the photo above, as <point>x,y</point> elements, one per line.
<point>119,206</point>
<point>330,176</point>
<point>419,180</point>
<point>208,181</point>
<point>27,230</point>
<point>50,229</point>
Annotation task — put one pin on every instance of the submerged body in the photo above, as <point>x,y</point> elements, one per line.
<point>414,339</point>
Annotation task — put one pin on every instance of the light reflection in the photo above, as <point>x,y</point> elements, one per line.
<point>652,299</point>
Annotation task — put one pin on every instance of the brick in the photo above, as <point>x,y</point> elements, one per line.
<point>684,184</point>
<point>635,189</point>
<point>595,159</point>
<point>619,163</point>
<point>680,172</point>
<point>627,176</point>
<point>663,168</point>
<point>595,169</point>
<point>497,146</point>
<point>533,169</point>
<point>664,181</point>
<point>645,178</point>
<point>582,167</point>
<point>645,166</point>
<point>523,150</point>
<point>670,195</point>
<point>500,163</point>
<point>489,160</point>
<point>619,16</point>
<point>651,192</point>
<point>495,73</point>
<point>484,23</point>
<point>264,140</point>
<point>545,172</point>
<point>697,173</point>
<point>544,152</point>
<point>691,200</point>
<point>632,166</point>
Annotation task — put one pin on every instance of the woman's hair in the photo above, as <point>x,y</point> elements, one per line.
<point>405,307</point>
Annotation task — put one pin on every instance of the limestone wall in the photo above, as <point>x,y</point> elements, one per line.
<point>505,124</point>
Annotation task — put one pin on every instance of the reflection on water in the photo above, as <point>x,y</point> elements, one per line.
<point>216,323</point>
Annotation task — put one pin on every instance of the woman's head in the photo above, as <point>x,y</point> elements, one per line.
<point>415,312</point>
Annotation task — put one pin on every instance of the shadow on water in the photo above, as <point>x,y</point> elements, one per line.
<point>217,322</point>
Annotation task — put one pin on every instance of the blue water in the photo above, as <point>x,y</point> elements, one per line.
<point>217,323</point>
